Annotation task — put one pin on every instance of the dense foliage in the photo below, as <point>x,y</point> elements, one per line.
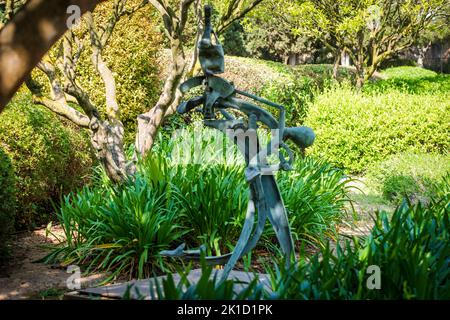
<point>411,251</point>
<point>49,158</point>
<point>7,203</point>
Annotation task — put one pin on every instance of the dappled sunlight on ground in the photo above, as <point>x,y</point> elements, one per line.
<point>24,278</point>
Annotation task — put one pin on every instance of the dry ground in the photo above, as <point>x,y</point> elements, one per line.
<point>24,278</point>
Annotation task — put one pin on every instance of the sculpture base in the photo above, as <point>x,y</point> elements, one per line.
<point>141,289</point>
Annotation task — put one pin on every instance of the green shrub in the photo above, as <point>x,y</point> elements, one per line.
<point>407,72</point>
<point>49,158</point>
<point>294,94</point>
<point>252,74</point>
<point>412,250</point>
<point>315,194</point>
<point>413,176</point>
<point>7,204</point>
<point>355,130</point>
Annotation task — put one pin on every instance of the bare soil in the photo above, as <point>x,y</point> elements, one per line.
<point>24,278</point>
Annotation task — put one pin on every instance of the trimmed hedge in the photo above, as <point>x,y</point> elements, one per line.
<point>7,203</point>
<point>49,158</point>
<point>355,130</point>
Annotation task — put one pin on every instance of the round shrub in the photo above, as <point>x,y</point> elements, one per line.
<point>354,130</point>
<point>49,158</point>
<point>7,203</point>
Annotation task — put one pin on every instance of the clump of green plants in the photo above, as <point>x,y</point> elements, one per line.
<point>410,250</point>
<point>7,204</point>
<point>120,229</point>
<point>315,194</point>
<point>414,176</point>
<point>49,158</point>
<point>214,201</point>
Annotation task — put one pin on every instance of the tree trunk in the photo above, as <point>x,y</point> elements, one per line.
<point>292,59</point>
<point>345,59</point>
<point>337,60</point>
<point>422,52</point>
<point>360,74</point>
<point>359,81</point>
<point>107,140</point>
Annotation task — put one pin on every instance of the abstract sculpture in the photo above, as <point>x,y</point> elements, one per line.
<point>265,198</point>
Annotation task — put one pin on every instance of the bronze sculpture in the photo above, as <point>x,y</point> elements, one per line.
<point>265,197</point>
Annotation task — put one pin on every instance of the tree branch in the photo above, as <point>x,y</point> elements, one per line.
<point>112,107</point>
<point>58,106</point>
<point>233,14</point>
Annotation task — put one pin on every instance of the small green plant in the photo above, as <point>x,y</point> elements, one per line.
<point>7,204</point>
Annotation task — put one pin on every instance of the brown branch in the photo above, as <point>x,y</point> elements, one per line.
<point>185,4</point>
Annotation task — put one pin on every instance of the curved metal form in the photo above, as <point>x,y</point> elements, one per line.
<point>265,201</point>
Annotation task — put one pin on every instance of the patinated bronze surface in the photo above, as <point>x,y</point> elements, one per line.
<point>264,198</point>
